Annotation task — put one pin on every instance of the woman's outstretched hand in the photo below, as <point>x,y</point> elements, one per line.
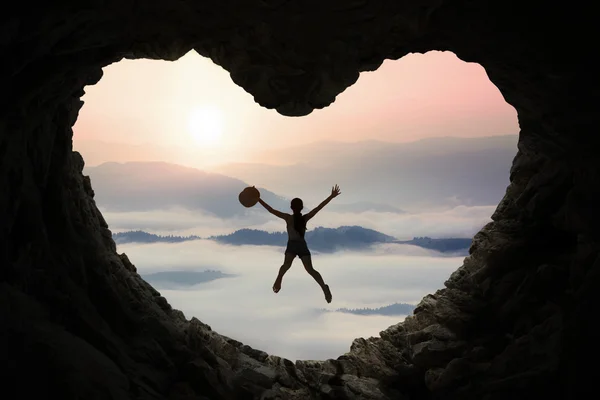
<point>335,191</point>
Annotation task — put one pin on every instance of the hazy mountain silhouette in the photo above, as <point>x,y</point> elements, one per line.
<point>333,152</point>
<point>421,174</point>
<point>441,245</point>
<point>145,237</point>
<point>429,172</point>
<point>319,239</point>
<point>392,309</point>
<point>95,152</point>
<point>363,206</point>
<point>181,279</point>
<point>146,186</point>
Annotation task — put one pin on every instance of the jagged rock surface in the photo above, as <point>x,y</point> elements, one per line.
<point>516,320</point>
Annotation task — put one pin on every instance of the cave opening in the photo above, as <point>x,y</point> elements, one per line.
<point>514,321</point>
<point>167,146</point>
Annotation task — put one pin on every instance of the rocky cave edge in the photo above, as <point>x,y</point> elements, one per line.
<point>516,320</point>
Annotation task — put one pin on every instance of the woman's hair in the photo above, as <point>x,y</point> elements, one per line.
<point>299,222</point>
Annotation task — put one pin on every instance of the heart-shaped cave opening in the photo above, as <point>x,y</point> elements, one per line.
<point>513,321</point>
<point>419,149</point>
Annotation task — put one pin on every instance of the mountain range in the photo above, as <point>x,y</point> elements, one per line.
<point>145,237</point>
<point>374,177</point>
<point>426,173</point>
<point>392,309</point>
<point>147,186</point>
<point>447,245</point>
<point>179,279</point>
<point>320,239</point>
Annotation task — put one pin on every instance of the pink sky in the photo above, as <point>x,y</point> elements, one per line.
<point>152,102</point>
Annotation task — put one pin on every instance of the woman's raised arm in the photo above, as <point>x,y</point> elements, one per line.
<point>335,192</point>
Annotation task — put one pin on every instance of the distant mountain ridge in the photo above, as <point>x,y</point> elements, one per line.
<point>148,186</point>
<point>442,245</point>
<point>392,309</point>
<point>374,176</point>
<point>363,206</point>
<point>423,174</point>
<point>320,239</point>
<point>180,279</point>
<point>333,152</point>
<point>145,237</point>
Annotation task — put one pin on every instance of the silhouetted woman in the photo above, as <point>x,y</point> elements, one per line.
<point>296,245</point>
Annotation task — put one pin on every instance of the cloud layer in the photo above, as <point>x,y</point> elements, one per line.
<point>461,221</point>
<point>286,324</point>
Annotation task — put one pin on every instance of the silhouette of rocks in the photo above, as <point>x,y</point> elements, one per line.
<point>516,320</point>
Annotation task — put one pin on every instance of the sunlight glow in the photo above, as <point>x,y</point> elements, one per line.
<point>205,125</point>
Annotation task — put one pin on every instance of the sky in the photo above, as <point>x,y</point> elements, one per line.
<point>190,112</point>
<point>191,109</point>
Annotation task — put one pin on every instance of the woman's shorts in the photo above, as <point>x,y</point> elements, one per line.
<point>297,248</point>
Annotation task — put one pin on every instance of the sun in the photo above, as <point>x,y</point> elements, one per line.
<point>205,125</point>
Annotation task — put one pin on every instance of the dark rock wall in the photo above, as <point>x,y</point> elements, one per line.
<point>515,321</point>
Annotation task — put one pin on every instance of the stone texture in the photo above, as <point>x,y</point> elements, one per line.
<point>516,320</point>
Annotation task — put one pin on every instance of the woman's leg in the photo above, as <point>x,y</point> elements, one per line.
<point>307,261</point>
<point>287,263</point>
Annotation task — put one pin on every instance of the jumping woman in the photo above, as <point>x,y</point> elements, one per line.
<point>296,245</point>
